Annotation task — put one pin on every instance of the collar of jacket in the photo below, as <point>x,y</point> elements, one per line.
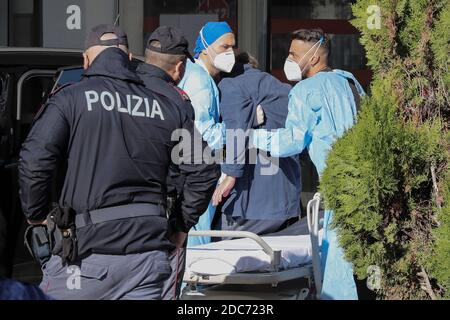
<point>238,69</point>
<point>112,63</point>
<point>154,71</point>
<point>202,64</point>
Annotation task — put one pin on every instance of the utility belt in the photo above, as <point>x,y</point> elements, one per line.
<point>59,237</point>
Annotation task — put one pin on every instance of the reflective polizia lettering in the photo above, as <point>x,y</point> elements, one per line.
<point>135,106</point>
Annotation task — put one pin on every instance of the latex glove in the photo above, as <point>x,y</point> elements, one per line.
<point>260,116</point>
<point>223,190</point>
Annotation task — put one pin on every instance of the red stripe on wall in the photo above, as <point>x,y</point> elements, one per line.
<point>152,23</point>
<point>280,26</point>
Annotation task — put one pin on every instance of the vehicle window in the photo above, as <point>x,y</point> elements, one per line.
<point>4,81</point>
<point>34,90</point>
<point>68,76</point>
<point>4,117</point>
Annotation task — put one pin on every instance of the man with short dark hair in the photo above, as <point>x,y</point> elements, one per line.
<point>322,107</point>
<point>248,205</point>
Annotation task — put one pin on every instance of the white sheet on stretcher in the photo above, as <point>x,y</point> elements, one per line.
<point>245,255</point>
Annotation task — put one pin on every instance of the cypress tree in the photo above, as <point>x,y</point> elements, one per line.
<point>388,178</point>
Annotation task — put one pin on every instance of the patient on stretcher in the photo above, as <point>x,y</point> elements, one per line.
<point>245,255</point>
<point>288,260</point>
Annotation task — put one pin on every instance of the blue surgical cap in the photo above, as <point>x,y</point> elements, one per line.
<point>211,32</point>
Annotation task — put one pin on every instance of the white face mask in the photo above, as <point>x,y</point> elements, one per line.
<point>224,61</point>
<point>292,68</point>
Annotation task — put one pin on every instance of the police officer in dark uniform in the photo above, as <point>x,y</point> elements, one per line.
<point>116,137</point>
<point>165,62</point>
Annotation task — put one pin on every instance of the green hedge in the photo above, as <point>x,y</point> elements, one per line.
<point>379,176</point>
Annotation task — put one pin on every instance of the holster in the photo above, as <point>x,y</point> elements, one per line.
<point>39,243</point>
<point>61,225</point>
<point>171,207</point>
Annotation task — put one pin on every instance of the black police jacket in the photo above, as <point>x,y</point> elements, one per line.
<point>159,81</point>
<point>116,137</point>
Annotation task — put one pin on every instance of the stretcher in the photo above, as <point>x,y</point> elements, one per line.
<point>275,266</point>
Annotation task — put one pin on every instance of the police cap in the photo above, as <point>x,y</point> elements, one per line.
<point>172,42</point>
<point>94,36</point>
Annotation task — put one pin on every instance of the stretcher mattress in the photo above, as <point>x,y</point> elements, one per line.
<point>245,255</point>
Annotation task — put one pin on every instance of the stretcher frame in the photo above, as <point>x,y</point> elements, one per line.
<point>311,271</point>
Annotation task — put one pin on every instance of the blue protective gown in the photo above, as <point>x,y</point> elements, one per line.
<point>205,98</point>
<point>321,109</point>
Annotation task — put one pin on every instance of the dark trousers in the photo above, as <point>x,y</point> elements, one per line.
<point>107,277</point>
<point>259,227</point>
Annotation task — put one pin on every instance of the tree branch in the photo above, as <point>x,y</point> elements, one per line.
<point>426,285</point>
<point>435,186</point>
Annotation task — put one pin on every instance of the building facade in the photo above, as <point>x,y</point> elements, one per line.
<point>263,27</point>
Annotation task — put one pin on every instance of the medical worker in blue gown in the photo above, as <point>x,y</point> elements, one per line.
<point>213,54</point>
<point>322,107</point>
